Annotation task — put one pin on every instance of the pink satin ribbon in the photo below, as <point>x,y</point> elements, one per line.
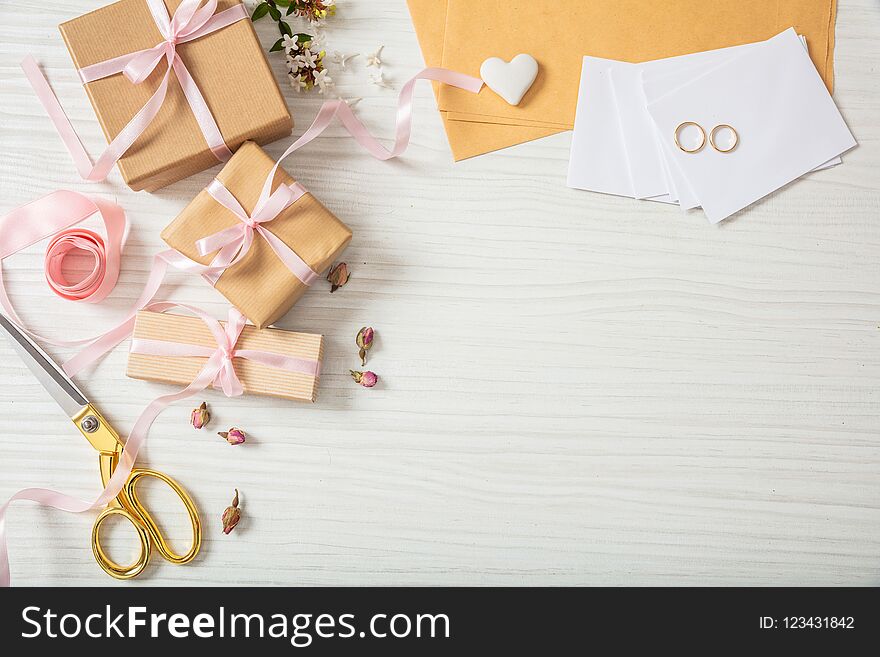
<point>191,21</point>
<point>232,244</point>
<point>218,370</point>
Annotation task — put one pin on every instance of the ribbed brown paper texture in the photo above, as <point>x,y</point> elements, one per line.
<point>260,286</point>
<point>256,379</point>
<point>229,67</point>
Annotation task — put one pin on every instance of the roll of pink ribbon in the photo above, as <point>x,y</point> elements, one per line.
<point>95,285</point>
<point>55,217</point>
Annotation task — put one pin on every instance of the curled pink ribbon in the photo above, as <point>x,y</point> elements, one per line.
<point>97,284</point>
<point>218,370</point>
<point>191,21</point>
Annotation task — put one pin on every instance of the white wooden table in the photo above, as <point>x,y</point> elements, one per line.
<point>576,388</point>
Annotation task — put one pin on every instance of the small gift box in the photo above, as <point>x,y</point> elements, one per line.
<point>267,262</point>
<point>231,94</point>
<point>176,348</point>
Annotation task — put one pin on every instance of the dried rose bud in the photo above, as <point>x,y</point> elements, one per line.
<point>366,379</point>
<point>232,515</point>
<point>364,340</point>
<point>233,436</point>
<point>200,416</point>
<point>338,276</point>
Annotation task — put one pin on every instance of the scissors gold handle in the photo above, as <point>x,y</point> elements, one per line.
<point>127,504</point>
<point>104,439</point>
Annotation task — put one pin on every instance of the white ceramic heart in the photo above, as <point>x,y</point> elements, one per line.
<point>510,80</point>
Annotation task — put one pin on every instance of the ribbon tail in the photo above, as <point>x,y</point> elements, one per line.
<point>360,133</point>
<point>97,347</point>
<point>118,146</point>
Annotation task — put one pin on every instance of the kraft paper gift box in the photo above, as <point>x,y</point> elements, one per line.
<point>256,378</point>
<point>260,285</point>
<point>229,67</point>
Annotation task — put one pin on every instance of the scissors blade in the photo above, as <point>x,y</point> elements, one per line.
<point>50,376</point>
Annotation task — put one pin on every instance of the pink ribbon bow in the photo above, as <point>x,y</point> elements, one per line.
<point>191,21</point>
<point>218,370</point>
<point>233,243</point>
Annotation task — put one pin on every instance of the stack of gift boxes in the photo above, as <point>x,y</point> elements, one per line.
<point>233,75</point>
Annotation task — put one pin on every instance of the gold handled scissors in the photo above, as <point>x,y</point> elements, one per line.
<point>104,439</point>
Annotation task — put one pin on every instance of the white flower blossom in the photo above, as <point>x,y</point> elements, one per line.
<point>323,81</point>
<point>307,59</point>
<point>290,43</point>
<point>297,82</point>
<point>375,59</point>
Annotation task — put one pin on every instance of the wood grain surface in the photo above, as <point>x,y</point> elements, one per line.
<point>575,388</point>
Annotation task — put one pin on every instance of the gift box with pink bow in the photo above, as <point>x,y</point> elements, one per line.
<point>232,356</point>
<point>255,234</point>
<point>177,86</point>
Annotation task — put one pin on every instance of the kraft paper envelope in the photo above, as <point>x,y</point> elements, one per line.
<point>466,139</point>
<point>482,118</point>
<point>774,97</point>
<point>558,34</point>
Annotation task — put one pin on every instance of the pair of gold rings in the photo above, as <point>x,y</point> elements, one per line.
<point>712,135</point>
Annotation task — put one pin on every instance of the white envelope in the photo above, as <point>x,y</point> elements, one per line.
<point>787,122</point>
<point>645,158</point>
<point>664,76</point>
<point>598,157</point>
<point>630,162</point>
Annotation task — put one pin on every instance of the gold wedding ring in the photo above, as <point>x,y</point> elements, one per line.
<point>678,132</point>
<point>721,127</point>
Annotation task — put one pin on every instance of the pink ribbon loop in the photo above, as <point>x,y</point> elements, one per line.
<point>93,287</point>
<point>52,217</point>
<point>191,21</point>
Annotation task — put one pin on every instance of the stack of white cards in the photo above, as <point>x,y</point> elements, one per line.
<point>770,92</point>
